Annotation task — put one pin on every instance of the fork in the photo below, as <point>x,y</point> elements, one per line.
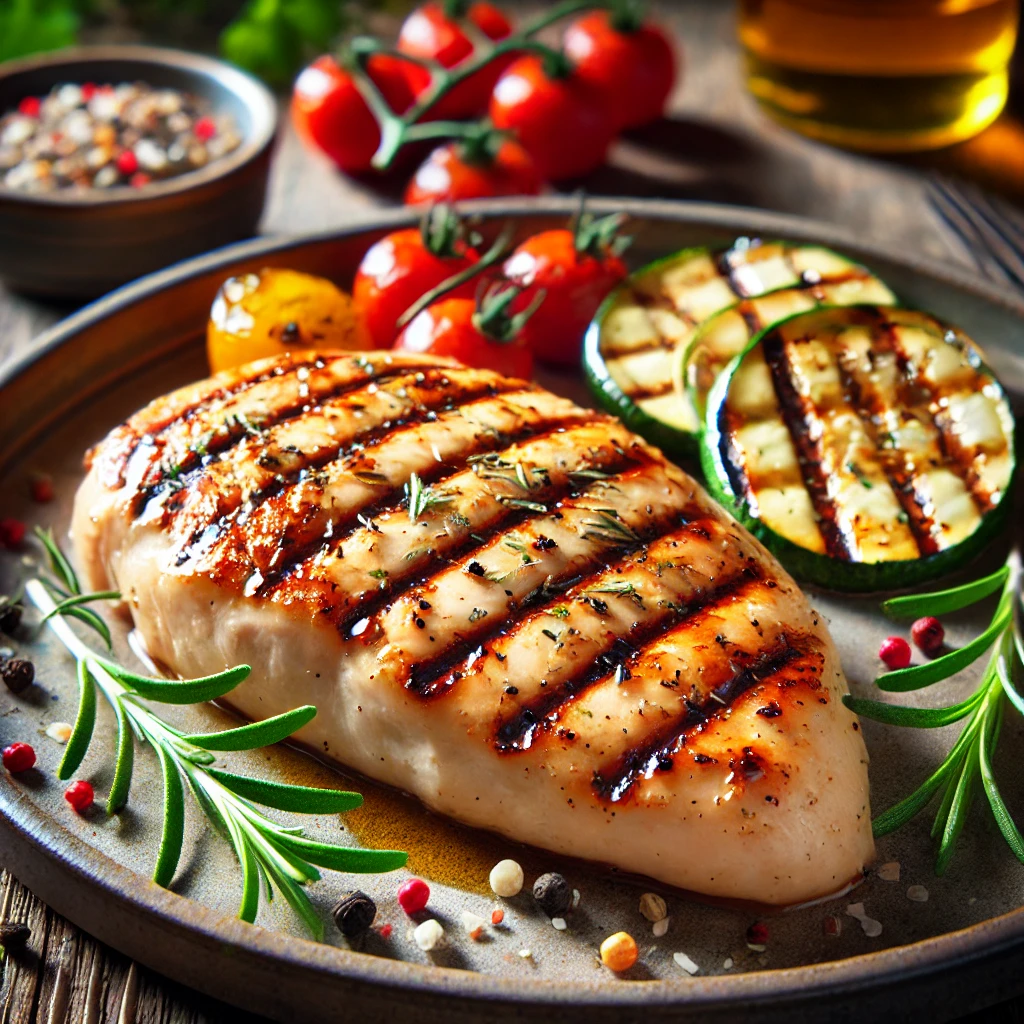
<point>990,229</point>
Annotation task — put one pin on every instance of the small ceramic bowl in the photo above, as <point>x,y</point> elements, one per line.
<point>82,244</point>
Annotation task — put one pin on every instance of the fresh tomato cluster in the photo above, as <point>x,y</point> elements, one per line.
<point>551,114</point>
<point>430,290</point>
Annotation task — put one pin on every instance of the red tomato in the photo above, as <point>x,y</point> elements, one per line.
<point>396,272</point>
<point>453,172</point>
<point>330,114</point>
<point>560,120</point>
<point>632,66</point>
<point>434,32</point>
<point>574,283</point>
<point>451,327</point>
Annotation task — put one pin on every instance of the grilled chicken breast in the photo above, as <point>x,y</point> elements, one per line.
<point>500,602</point>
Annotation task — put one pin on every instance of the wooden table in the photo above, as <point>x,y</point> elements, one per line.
<point>716,146</point>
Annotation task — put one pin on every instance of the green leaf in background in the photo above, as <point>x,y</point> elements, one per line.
<point>33,26</point>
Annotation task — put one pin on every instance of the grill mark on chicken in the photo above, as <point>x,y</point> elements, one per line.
<point>542,713</point>
<point>808,448</point>
<point>346,609</point>
<point>165,473</point>
<point>614,784</point>
<point>435,676</point>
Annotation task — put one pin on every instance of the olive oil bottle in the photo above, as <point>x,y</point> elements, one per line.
<point>882,75</point>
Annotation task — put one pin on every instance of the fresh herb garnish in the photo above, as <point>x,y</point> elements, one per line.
<point>970,759</point>
<point>277,855</point>
<point>419,497</point>
<point>609,526</point>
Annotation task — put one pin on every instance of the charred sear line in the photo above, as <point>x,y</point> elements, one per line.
<point>659,752</point>
<point>621,657</point>
<point>794,415</point>
<point>750,317</point>
<point>653,391</point>
<point>891,461</point>
<point>430,679</point>
<point>392,501</point>
<point>511,516</point>
<point>189,470</point>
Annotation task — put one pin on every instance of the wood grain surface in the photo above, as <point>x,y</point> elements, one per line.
<point>715,146</point>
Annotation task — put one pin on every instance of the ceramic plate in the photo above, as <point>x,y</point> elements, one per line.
<point>956,951</point>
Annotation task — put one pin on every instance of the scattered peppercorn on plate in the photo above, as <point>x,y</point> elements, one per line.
<point>534,928</point>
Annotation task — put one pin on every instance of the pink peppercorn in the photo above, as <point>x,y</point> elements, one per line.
<point>497,916</point>
<point>18,757</point>
<point>40,487</point>
<point>88,90</point>
<point>895,652</point>
<point>929,636</point>
<point>413,895</point>
<point>80,795</point>
<point>757,934</point>
<point>205,129</point>
<point>30,106</point>
<point>385,931</point>
<point>127,162</point>
<point>139,179</point>
<point>12,533</point>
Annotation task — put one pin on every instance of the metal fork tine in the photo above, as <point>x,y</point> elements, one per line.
<point>1006,228</point>
<point>982,228</point>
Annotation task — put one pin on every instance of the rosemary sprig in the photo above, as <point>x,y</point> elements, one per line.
<point>280,856</point>
<point>970,759</point>
<point>420,498</point>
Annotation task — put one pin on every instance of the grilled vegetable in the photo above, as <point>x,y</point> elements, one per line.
<point>869,447</point>
<point>729,332</point>
<point>505,604</point>
<point>631,348</point>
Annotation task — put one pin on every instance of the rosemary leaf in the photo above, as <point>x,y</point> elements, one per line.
<point>91,619</point>
<point>85,721</point>
<point>174,821</point>
<point>59,564</point>
<point>255,734</point>
<point>941,602</point>
<point>1004,820</point>
<point>285,797</point>
<point>80,599</point>
<point>250,902</point>
<point>916,718</point>
<point>963,796</point>
<point>918,676</point>
<point>180,691</point>
<point>124,762</point>
<point>345,858</point>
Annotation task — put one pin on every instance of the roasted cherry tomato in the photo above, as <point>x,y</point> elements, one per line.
<point>574,270</point>
<point>433,31</point>
<point>561,121</point>
<point>264,314</point>
<point>399,269</point>
<point>480,334</point>
<point>330,114</point>
<point>628,61</point>
<point>471,170</point>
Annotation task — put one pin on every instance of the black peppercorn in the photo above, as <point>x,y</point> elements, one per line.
<point>290,333</point>
<point>18,674</point>
<point>14,935</point>
<point>10,615</point>
<point>354,913</point>
<point>553,894</point>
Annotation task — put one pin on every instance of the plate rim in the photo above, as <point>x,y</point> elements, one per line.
<point>39,833</point>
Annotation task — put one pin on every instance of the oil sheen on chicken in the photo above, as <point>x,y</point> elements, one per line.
<point>506,605</point>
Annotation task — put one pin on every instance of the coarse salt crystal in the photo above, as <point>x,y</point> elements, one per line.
<point>727,963</point>
<point>917,893</point>
<point>473,923</point>
<point>682,960</point>
<point>855,910</point>
<point>59,731</point>
<point>558,923</point>
<point>872,928</point>
<point>506,878</point>
<point>756,947</point>
<point>575,898</point>
<point>890,872</point>
<point>526,953</point>
<point>428,935</point>
<point>660,928</point>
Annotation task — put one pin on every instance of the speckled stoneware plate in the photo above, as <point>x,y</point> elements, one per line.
<point>960,949</point>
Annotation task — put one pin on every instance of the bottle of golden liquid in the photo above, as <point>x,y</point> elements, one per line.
<point>883,75</point>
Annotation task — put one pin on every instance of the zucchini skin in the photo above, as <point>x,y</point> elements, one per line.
<point>821,570</point>
<point>677,444</point>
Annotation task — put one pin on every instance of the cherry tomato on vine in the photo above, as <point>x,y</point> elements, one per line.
<point>330,114</point>
<point>479,334</point>
<point>574,270</point>
<point>629,62</point>
<point>433,31</point>
<point>561,121</point>
<point>464,170</point>
<point>396,271</point>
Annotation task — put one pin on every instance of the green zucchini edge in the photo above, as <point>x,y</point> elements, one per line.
<point>821,570</point>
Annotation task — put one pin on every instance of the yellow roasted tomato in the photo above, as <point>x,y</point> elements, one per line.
<point>268,313</point>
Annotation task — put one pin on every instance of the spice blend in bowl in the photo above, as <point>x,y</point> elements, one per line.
<point>103,136</point>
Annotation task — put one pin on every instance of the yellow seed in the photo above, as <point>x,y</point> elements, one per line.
<point>619,952</point>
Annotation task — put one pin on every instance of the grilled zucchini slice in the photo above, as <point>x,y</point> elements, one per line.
<point>869,447</point>
<point>729,332</point>
<point>630,350</point>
